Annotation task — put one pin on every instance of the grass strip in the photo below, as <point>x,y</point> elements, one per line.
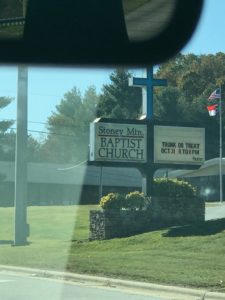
<point>184,256</point>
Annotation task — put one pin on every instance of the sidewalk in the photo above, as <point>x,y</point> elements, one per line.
<point>155,290</point>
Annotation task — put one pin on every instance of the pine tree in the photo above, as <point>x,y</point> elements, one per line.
<point>118,100</point>
<point>68,127</point>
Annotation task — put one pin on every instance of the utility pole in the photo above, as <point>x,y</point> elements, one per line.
<point>21,227</point>
<point>221,148</point>
<point>217,94</point>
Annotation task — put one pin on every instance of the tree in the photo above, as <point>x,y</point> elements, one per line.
<point>68,127</point>
<point>195,77</point>
<point>118,100</point>
<point>7,137</point>
<point>191,79</point>
<point>170,105</point>
<point>33,149</point>
<point>90,102</point>
<point>5,125</point>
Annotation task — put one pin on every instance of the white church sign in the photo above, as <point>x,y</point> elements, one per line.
<point>179,145</point>
<point>116,142</point>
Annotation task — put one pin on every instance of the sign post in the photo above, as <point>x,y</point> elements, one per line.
<point>147,84</point>
<point>144,145</point>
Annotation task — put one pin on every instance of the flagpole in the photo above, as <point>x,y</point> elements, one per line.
<point>221,149</point>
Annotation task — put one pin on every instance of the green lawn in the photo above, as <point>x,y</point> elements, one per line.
<point>51,232</point>
<point>185,256</point>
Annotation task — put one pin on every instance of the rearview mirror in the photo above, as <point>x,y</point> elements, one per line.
<point>97,32</point>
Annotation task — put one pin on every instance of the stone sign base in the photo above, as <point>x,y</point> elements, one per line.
<point>162,212</point>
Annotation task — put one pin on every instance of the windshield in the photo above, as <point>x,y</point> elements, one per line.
<point>111,179</point>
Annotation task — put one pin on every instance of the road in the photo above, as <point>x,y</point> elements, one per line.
<point>216,211</point>
<point>21,287</point>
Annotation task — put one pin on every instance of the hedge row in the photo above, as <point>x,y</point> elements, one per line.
<point>137,201</point>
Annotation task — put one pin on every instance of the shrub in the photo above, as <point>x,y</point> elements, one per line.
<point>132,201</point>
<point>135,201</point>
<point>164,187</point>
<point>112,201</point>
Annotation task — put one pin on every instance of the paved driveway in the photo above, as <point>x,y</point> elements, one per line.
<point>215,211</point>
<point>13,287</point>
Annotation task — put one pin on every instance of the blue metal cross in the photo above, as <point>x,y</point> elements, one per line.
<point>147,85</point>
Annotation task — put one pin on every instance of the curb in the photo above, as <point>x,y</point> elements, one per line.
<point>156,289</point>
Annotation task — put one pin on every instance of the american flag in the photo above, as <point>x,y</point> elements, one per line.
<point>215,95</point>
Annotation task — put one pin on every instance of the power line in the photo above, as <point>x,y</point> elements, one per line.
<point>45,132</point>
<point>44,123</point>
<point>48,132</point>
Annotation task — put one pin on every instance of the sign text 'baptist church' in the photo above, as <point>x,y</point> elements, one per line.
<point>118,142</point>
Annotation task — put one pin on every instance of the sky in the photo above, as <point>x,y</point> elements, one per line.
<point>46,86</point>
<point>209,35</point>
